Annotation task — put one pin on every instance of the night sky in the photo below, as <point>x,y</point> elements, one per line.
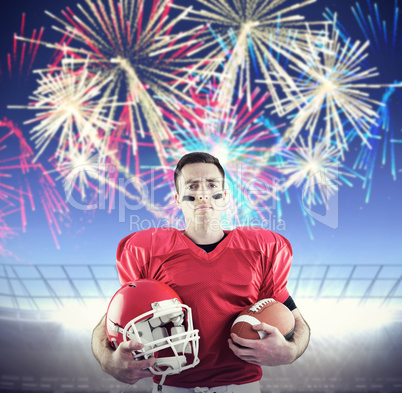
<point>367,228</point>
<point>368,232</point>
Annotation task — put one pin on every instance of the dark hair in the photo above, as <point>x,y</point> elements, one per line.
<point>195,158</point>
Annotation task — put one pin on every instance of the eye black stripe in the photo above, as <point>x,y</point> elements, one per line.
<point>188,198</point>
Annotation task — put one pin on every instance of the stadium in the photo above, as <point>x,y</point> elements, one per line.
<point>98,106</point>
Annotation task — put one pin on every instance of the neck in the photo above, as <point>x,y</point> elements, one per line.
<point>204,233</point>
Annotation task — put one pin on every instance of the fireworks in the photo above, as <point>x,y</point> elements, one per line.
<point>317,168</point>
<point>94,177</point>
<point>134,81</point>
<point>66,105</point>
<point>13,199</point>
<point>80,163</point>
<point>249,33</point>
<point>385,39</point>
<point>383,35</point>
<point>20,62</point>
<point>127,45</point>
<point>383,144</point>
<point>332,84</point>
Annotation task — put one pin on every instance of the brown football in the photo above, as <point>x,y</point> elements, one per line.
<point>269,311</point>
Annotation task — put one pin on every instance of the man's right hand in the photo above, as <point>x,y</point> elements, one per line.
<point>119,363</point>
<point>124,367</point>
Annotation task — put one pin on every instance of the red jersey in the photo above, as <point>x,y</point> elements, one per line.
<point>248,265</point>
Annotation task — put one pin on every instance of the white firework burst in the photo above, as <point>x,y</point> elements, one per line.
<point>333,85</point>
<point>70,107</point>
<point>253,34</point>
<point>315,166</point>
<point>78,169</point>
<point>94,176</point>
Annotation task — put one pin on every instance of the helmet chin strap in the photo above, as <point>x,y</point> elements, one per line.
<point>190,198</point>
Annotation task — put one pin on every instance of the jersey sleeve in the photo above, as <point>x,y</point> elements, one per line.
<point>280,260</point>
<point>133,256</point>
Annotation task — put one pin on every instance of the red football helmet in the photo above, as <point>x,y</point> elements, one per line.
<point>150,312</point>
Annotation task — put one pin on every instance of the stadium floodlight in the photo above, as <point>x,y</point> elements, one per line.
<point>80,317</point>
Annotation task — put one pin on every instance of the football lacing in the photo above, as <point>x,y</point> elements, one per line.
<point>257,306</point>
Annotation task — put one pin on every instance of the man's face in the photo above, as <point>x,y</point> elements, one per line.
<point>200,181</point>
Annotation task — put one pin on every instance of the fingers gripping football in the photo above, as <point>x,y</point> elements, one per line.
<point>272,350</point>
<point>260,332</point>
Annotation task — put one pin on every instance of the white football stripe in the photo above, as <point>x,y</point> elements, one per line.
<point>252,321</point>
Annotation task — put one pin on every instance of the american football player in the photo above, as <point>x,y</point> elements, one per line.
<point>217,273</point>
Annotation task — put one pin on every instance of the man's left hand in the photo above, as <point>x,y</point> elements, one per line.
<point>272,350</point>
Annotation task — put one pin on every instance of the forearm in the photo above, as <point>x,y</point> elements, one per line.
<point>101,348</point>
<point>301,335</point>
<point>119,363</point>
